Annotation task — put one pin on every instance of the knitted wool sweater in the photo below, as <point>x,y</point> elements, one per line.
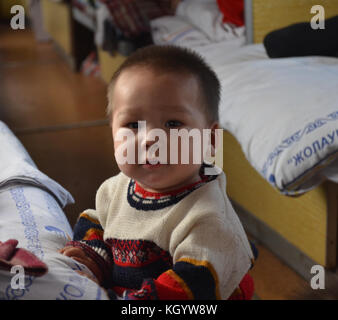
<point>185,244</point>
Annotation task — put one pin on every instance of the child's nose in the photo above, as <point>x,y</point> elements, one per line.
<point>149,136</point>
<point>142,146</point>
<point>149,141</point>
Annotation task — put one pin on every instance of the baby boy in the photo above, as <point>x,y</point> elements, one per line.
<point>164,229</point>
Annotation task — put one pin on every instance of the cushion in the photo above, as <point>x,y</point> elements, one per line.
<point>300,39</point>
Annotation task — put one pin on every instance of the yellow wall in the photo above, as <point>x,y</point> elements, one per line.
<point>269,15</point>
<point>109,64</point>
<point>57,20</point>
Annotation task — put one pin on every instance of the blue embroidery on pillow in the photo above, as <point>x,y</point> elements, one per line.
<point>297,136</point>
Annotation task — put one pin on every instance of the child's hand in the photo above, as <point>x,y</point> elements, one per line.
<point>79,255</point>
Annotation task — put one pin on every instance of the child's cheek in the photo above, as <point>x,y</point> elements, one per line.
<point>124,146</point>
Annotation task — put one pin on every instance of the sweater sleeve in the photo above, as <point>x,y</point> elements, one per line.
<point>88,235</point>
<point>89,229</point>
<point>209,263</point>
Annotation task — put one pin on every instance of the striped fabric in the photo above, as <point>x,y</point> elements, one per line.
<point>140,270</point>
<point>141,199</point>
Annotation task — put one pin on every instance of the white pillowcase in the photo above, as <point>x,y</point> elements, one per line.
<point>175,31</point>
<point>284,114</point>
<point>30,212</point>
<point>34,218</point>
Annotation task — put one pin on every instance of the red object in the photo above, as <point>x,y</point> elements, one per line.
<point>233,11</point>
<point>169,289</point>
<point>10,256</point>
<point>246,289</point>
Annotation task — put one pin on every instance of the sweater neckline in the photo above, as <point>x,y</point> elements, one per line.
<point>142,199</point>
<point>157,195</point>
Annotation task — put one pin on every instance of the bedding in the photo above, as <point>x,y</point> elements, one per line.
<point>283,112</point>
<point>206,16</point>
<point>175,30</point>
<point>31,212</point>
<point>195,24</point>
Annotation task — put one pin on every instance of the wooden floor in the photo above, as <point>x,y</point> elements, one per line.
<point>59,116</point>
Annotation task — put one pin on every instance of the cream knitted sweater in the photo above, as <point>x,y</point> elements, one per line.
<point>189,244</point>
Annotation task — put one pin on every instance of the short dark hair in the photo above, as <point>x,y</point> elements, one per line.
<point>177,60</point>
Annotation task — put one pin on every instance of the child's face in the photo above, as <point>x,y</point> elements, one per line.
<point>164,101</point>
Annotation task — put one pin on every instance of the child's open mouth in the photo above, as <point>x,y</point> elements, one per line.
<point>151,165</point>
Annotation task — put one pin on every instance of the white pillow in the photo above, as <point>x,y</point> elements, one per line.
<point>34,218</point>
<point>174,30</point>
<point>284,114</point>
<point>30,212</point>
<point>16,166</point>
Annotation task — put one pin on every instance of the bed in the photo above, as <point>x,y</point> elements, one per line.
<point>292,210</point>
<point>302,230</point>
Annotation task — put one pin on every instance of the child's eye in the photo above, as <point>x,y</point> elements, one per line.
<point>132,125</point>
<point>173,123</point>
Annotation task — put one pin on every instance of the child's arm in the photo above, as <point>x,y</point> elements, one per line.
<point>210,262</point>
<point>88,244</point>
<point>89,248</point>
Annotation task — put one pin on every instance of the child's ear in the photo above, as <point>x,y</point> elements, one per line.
<point>211,147</point>
<point>213,128</point>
